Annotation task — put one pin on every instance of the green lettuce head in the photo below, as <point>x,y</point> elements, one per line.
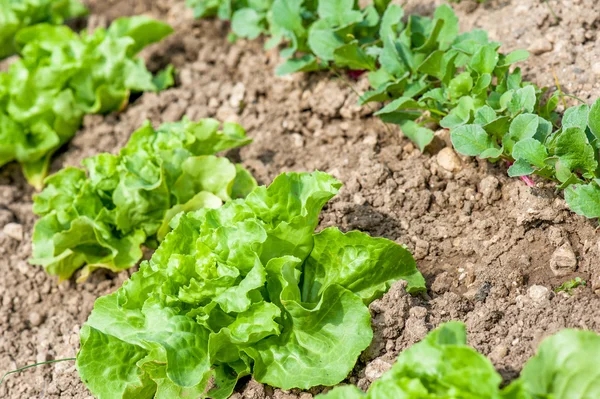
<point>101,218</point>
<point>247,288</point>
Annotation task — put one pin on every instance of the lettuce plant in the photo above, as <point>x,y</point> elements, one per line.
<point>60,77</point>
<point>247,288</point>
<point>18,14</point>
<point>444,366</point>
<point>102,218</point>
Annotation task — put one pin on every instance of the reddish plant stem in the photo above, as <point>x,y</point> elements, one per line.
<point>355,73</point>
<point>526,179</point>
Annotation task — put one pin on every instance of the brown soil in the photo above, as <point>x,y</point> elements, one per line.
<point>485,242</point>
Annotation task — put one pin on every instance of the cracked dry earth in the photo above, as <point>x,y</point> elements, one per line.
<point>492,249</point>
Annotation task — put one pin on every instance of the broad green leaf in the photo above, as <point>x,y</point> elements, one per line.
<point>323,40</point>
<point>420,135</point>
<point>594,119</point>
<point>576,117</point>
<point>338,13</point>
<point>584,199</point>
<point>564,367</point>
<point>450,28</point>
<point>440,366</point>
<point>532,151</point>
<point>460,86</point>
<point>246,22</point>
<point>329,336</point>
<point>524,126</point>
<point>513,57</point>
<point>382,260</point>
<point>523,100</point>
<point>460,115</point>
<point>575,152</point>
<point>521,167</point>
<point>354,57</point>
<point>484,60</point>
<point>471,140</point>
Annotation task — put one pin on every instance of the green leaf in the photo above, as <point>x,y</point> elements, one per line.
<point>420,135</point>
<point>460,86</point>
<point>248,23</point>
<point>471,140</point>
<point>141,29</point>
<point>352,56</point>
<point>575,152</point>
<point>306,63</point>
<point>532,151</point>
<point>584,199</point>
<point>521,167</point>
<point>323,40</point>
<point>450,28</point>
<point>524,126</point>
<point>382,260</point>
<point>523,100</point>
<point>576,117</point>
<point>513,58</point>
<point>440,366</point>
<point>564,367</point>
<point>165,78</point>
<point>594,119</point>
<point>326,337</point>
<point>338,13</point>
<point>484,60</point>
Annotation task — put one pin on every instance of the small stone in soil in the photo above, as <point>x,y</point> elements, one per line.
<point>563,261</point>
<point>14,230</point>
<point>538,293</point>
<point>448,159</point>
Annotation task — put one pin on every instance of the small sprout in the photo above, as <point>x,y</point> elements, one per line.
<point>569,286</point>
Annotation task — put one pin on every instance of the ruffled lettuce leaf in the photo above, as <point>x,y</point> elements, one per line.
<point>60,77</point>
<point>442,366</point>
<point>16,15</point>
<point>565,367</point>
<point>247,288</point>
<point>102,217</point>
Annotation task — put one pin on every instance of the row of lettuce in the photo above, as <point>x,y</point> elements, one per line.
<point>61,75</point>
<point>240,283</point>
<point>434,77</point>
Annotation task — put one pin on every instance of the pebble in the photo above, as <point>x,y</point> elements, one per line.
<point>35,319</point>
<point>538,293</point>
<point>488,186</point>
<point>540,46</point>
<point>448,159</point>
<point>563,261</point>
<point>237,95</point>
<point>14,230</point>
<point>376,368</point>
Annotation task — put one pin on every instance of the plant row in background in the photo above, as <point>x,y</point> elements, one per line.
<point>61,76</point>
<point>244,289</point>
<point>433,76</point>
<point>18,14</point>
<point>100,219</point>
<point>443,366</point>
